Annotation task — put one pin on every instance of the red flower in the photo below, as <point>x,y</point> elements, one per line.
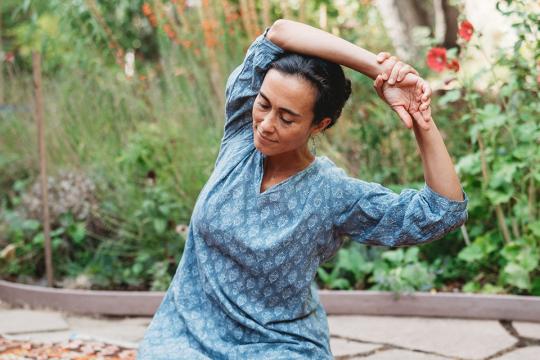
<point>466,30</point>
<point>436,59</point>
<point>9,57</point>
<point>453,65</point>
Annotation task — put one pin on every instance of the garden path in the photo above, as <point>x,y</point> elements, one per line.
<point>352,337</point>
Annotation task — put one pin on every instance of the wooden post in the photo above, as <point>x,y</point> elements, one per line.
<point>302,11</point>
<point>266,8</point>
<point>1,67</point>
<point>38,113</point>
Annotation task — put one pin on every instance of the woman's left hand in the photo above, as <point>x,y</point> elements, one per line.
<point>407,94</point>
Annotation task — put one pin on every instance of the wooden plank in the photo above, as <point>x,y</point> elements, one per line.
<point>457,305</point>
<point>145,303</point>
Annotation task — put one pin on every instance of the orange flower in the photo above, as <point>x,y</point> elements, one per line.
<point>146,9</point>
<point>208,28</point>
<point>185,43</point>
<point>466,30</point>
<point>169,31</point>
<point>436,59</point>
<point>211,42</point>
<point>232,17</point>
<point>153,20</point>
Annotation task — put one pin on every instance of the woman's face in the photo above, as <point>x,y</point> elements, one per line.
<point>282,114</point>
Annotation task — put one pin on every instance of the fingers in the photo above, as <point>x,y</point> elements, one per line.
<point>405,69</point>
<point>404,116</point>
<point>427,116</point>
<point>394,74</point>
<point>389,60</point>
<point>425,105</point>
<point>426,90</point>
<point>422,93</point>
<point>378,84</point>
<point>382,56</point>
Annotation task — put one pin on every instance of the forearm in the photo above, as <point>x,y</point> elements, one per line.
<point>297,37</point>
<point>439,171</point>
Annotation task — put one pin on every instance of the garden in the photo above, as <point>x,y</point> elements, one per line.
<point>132,104</point>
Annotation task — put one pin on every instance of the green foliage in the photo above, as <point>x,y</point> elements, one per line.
<point>401,271</point>
<point>70,243</point>
<point>150,140</point>
<point>394,270</point>
<point>349,271</point>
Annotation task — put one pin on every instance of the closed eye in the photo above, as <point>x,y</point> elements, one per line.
<point>286,121</point>
<point>264,106</point>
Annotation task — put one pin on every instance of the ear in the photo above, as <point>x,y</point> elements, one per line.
<point>321,126</point>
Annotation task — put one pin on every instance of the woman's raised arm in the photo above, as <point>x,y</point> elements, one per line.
<point>297,37</point>
<point>300,38</point>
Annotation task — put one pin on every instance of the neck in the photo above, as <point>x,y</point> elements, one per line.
<point>289,161</point>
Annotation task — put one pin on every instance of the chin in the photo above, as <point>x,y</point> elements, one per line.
<point>263,149</point>
<point>260,145</point>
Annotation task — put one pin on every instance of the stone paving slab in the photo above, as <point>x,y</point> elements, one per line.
<point>49,336</point>
<point>528,353</point>
<point>470,339</point>
<point>121,329</point>
<point>23,321</point>
<point>527,329</point>
<point>342,347</point>
<point>394,354</point>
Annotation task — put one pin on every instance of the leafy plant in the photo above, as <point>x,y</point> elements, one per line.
<point>401,271</point>
<point>349,271</point>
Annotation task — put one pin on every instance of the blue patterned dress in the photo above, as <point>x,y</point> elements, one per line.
<point>244,287</point>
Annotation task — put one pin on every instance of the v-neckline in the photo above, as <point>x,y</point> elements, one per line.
<point>261,175</point>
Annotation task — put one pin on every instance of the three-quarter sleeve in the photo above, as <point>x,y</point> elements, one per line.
<point>376,215</point>
<point>244,83</point>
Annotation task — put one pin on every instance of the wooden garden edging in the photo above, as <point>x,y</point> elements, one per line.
<point>145,303</point>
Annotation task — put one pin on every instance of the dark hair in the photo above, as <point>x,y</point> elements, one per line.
<point>333,88</point>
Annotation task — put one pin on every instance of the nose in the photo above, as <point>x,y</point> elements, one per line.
<point>267,123</point>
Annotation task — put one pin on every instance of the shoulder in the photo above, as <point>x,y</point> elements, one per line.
<point>328,169</point>
<point>333,181</point>
<point>341,188</point>
<point>335,176</point>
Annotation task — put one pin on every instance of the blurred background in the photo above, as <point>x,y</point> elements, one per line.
<point>133,96</point>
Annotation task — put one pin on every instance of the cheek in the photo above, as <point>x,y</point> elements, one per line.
<point>293,136</point>
<point>256,115</point>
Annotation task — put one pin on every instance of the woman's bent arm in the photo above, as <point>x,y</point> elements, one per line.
<point>297,37</point>
<point>439,171</point>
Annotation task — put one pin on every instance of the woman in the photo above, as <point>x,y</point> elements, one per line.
<point>272,212</point>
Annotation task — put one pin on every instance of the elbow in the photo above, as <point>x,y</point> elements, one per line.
<point>277,31</point>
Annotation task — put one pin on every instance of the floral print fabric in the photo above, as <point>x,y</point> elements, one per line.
<point>244,288</point>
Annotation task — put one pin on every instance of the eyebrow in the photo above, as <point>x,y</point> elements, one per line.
<point>281,108</point>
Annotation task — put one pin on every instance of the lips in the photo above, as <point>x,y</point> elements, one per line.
<point>265,138</point>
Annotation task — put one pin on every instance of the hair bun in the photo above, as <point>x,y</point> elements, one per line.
<point>348,90</point>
